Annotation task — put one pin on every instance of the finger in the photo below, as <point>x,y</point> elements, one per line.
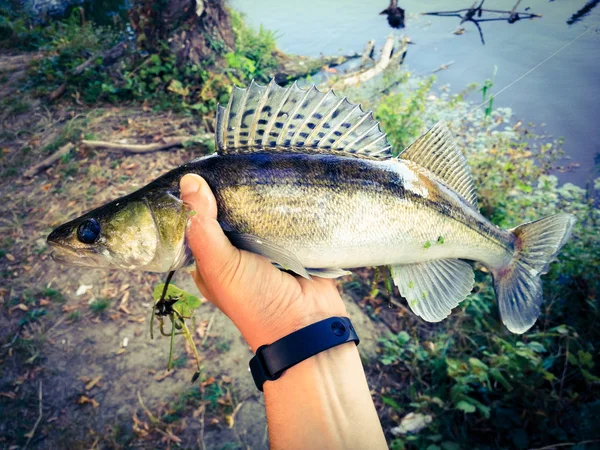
<point>212,251</point>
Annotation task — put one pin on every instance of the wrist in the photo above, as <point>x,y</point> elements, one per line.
<point>331,397</point>
<point>266,333</point>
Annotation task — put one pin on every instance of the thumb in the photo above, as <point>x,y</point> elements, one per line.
<point>214,254</point>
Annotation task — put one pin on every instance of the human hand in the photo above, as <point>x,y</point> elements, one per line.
<point>265,303</point>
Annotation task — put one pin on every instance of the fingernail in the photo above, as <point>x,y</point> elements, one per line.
<point>190,184</point>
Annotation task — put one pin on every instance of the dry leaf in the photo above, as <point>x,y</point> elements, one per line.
<point>208,381</point>
<point>83,400</point>
<point>92,383</point>
<point>10,257</point>
<point>164,375</point>
<point>44,302</point>
<point>120,351</point>
<point>10,395</point>
<point>82,289</point>
<point>201,329</point>
<point>20,306</point>
<point>124,309</point>
<point>226,379</point>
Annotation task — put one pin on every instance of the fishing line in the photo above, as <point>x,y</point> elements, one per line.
<point>525,74</point>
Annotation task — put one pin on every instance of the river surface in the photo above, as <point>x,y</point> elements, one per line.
<point>562,95</point>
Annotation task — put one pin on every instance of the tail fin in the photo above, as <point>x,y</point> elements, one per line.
<point>518,285</point>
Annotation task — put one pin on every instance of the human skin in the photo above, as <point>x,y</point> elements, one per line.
<point>323,402</point>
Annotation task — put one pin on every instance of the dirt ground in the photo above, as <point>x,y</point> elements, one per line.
<point>77,366</point>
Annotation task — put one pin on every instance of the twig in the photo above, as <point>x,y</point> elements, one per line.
<point>210,322</point>
<point>201,438</point>
<point>140,148</point>
<point>10,344</point>
<point>153,419</point>
<point>566,444</point>
<point>443,67</point>
<point>109,57</point>
<point>564,373</point>
<point>39,419</point>
<point>50,160</point>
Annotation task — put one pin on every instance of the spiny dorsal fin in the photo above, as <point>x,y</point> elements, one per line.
<point>437,152</point>
<point>273,118</point>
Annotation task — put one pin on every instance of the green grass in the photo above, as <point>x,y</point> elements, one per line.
<point>100,306</point>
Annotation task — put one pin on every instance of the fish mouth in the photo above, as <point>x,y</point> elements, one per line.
<point>64,254</point>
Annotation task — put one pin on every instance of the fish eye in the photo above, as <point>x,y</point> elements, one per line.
<point>88,231</point>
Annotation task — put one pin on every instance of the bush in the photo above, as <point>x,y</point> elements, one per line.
<point>483,386</point>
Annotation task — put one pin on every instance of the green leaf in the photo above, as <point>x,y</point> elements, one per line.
<point>391,402</point>
<point>537,347</point>
<point>448,445</point>
<point>478,363</point>
<point>466,407</point>
<point>186,303</point>
<point>497,375</point>
<point>573,359</point>
<point>588,376</point>
<point>403,337</point>
<point>585,359</point>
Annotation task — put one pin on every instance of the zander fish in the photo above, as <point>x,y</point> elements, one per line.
<point>307,179</point>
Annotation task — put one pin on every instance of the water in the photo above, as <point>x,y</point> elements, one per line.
<point>563,94</point>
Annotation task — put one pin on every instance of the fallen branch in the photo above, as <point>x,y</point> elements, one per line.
<point>49,161</point>
<point>367,53</point>
<point>387,56</point>
<point>18,62</point>
<point>29,435</point>
<point>443,67</point>
<point>107,58</point>
<point>143,148</point>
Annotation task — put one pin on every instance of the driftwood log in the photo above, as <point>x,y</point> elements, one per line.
<point>388,56</point>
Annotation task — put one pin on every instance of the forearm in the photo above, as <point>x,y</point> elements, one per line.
<point>323,402</point>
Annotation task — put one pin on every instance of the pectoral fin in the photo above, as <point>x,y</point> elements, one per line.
<point>433,288</point>
<point>280,256</point>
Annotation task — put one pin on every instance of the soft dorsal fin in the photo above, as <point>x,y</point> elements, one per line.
<point>272,118</point>
<point>437,152</point>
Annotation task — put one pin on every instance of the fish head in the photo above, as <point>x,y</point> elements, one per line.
<point>136,232</point>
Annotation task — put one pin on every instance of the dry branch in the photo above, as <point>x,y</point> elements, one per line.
<point>17,62</point>
<point>50,160</point>
<point>168,142</point>
<point>107,58</point>
<point>367,53</point>
<point>385,60</point>
<point>29,435</point>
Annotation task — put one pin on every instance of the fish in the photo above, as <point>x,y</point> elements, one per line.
<point>308,180</point>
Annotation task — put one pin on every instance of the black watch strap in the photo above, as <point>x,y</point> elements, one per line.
<point>272,360</point>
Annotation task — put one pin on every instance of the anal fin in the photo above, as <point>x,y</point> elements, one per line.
<point>432,289</point>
